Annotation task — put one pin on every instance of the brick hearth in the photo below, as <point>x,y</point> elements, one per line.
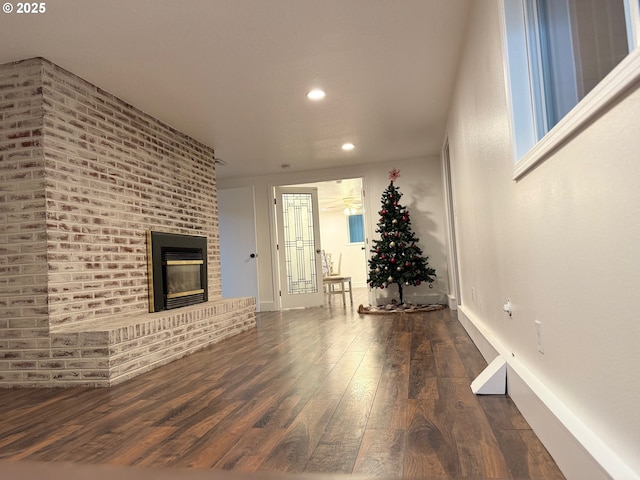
<point>83,176</point>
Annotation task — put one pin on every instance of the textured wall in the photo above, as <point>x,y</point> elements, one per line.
<point>23,281</point>
<point>421,186</point>
<point>113,172</point>
<point>561,243</point>
<point>83,176</point>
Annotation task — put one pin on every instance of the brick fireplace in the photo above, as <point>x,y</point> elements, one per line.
<point>83,177</point>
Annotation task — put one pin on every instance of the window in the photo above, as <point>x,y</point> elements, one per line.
<point>356,228</point>
<point>560,54</point>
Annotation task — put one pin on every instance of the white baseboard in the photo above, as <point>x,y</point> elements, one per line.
<point>452,302</point>
<point>577,450</point>
<point>483,344</point>
<point>268,307</point>
<point>383,297</point>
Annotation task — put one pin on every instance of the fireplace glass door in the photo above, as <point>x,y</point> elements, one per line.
<point>177,270</point>
<point>183,278</point>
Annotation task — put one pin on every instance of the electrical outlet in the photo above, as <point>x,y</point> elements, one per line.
<point>508,308</point>
<point>538,325</point>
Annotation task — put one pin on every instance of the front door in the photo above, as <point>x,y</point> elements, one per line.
<point>299,252</point>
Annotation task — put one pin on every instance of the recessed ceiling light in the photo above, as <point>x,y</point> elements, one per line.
<point>348,147</point>
<point>316,94</point>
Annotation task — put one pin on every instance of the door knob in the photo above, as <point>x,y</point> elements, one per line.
<point>253,255</point>
<point>318,250</point>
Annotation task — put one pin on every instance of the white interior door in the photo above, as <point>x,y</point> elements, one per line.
<point>299,251</point>
<point>238,252</point>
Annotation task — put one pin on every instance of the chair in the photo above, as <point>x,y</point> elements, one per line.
<point>335,278</point>
<point>326,263</point>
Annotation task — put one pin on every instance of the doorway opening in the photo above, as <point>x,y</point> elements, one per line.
<point>342,241</point>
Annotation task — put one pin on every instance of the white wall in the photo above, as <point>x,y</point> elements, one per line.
<point>421,185</point>
<point>422,194</point>
<point>563,243</point>
<point>334,236</point>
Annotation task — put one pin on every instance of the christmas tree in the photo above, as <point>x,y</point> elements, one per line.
<point>396,257</point>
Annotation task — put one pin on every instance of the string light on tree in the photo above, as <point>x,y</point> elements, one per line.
<point>397,249</point>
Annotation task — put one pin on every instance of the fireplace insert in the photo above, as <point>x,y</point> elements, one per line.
<point>177,270</point>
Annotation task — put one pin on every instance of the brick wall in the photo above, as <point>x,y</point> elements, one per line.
<point>83,176</point>
<point>23,264</point>
<point>112,173</point>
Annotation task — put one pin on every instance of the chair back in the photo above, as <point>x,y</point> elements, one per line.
<point>337,270</point>
<point>326,263</point>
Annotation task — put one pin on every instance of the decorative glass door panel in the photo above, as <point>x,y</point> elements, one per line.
<point>299,247</point>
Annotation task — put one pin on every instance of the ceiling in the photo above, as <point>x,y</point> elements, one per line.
<point>336,195</point>
<point>234,73</point>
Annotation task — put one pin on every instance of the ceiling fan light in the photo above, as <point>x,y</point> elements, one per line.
<point>350,210</point>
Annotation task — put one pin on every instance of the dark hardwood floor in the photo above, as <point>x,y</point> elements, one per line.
<point>315,390</point>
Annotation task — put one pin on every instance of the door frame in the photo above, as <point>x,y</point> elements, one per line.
<point>302,181</point>
<point>312,299</point>
<point>454,295</point>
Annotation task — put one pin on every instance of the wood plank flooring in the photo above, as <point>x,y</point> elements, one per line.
<point>316,390</point>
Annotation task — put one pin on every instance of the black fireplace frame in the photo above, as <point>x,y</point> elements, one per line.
<point>161,242</point>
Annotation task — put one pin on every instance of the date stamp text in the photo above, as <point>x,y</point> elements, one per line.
<point>24,8</point>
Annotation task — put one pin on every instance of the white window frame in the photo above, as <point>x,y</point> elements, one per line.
<point>529,151</point>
